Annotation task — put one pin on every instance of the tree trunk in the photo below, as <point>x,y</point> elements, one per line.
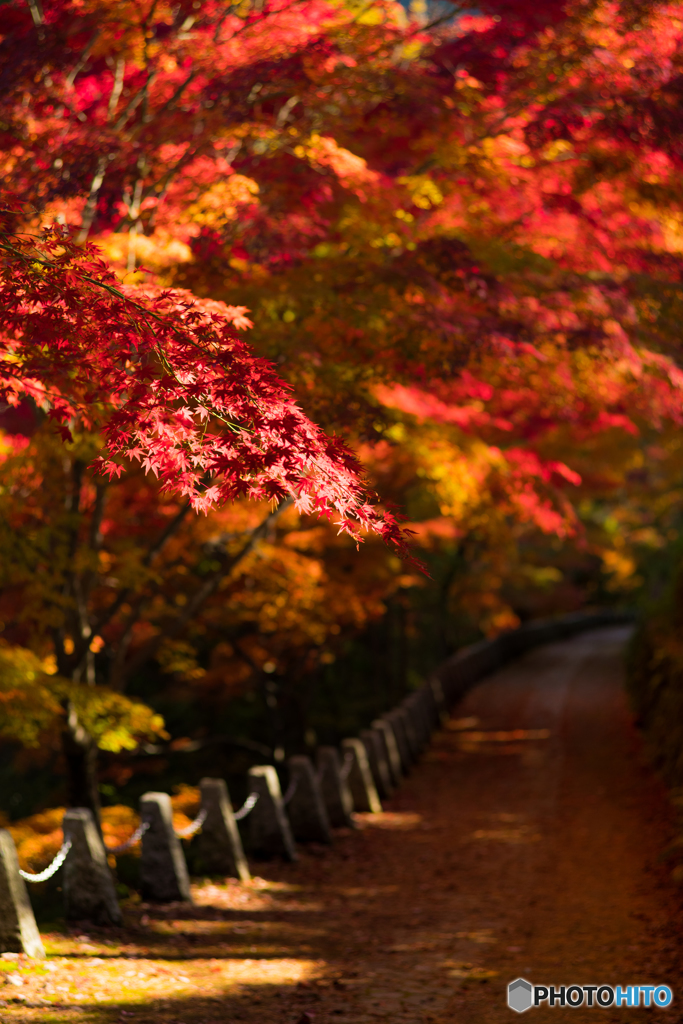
<point>80,755</point>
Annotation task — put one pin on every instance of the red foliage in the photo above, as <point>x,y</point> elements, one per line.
<point>168,382</point>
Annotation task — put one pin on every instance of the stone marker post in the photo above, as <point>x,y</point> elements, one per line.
<point>87,882</point>
<point>163,871</point>
<point>407,706</point>
<point>396,723</point>
<point>431,706</point>
<point>306,808</point>
<point>436,689</point>
<point>268,830</point>
<point>18,930</point>
<point>361,783</point>
<point>424,708</point>
<point>374,748</point>
<point>409,730</point>
<point>335,788</point>
<point>219,845</point>
<point>385,730</point>
<point>414,705</point>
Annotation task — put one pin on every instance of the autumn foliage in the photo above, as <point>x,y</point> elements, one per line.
<point>236,234</point>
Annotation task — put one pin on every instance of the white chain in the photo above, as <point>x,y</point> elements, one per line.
<point>247,806</point>
<point>52,869</point>
<point>185,833</point>
<point>135,838</point>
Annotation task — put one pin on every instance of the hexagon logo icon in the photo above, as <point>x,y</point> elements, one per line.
<point>520,995</point>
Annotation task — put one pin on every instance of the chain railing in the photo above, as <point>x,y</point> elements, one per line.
<point>246,807</point>
<point>129,843</point>
<point>185,833</point>
<point>52,869</point>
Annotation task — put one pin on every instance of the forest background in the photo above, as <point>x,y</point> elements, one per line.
<point>453,238</point>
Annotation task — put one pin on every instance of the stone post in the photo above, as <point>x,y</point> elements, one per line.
<point>424,705</point>
<point>410,731</point>
<point>219,845</point>
<point>268,830</point>
<point>335,788</point>
<point>436,690</point>
<point>163,871</point>
<point>306,808</point>
<point>361,784</point>
<point>87,882</point>
<point>419,719</point>
<point>431,707</point>
<point>395,720</point>
<point>385,730</point>
<point>18,930</point>
<point>374,748</point>
<point>407,706</point>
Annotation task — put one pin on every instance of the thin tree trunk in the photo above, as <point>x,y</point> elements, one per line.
<point>80,756</point>
<point>177,626</point>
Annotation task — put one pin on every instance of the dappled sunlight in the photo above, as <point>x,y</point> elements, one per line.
<point>259,894</point>
<point>466,736</point>
<point>386,819</point>
<point>269,972</point>
<point>499,741</point>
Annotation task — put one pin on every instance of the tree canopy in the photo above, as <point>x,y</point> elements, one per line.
<point>235,235</point>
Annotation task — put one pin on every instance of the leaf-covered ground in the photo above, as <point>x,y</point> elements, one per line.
<point>531,840</point>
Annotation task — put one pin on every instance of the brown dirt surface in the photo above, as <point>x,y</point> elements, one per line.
<point>532,840</point>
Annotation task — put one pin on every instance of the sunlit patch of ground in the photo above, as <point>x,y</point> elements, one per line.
<point>295,947</point>
<point>387,819</point>
<point>126,977</point>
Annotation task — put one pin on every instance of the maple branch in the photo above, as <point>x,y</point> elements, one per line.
<point>125,595</point>
<point>36,10</point>
<point>33,258</point>
<point>170,103</point>
<point>162,184</point>
<point>144,311</point>
<point>148,17</point>
<point>91,204</point>
<point>134,214</point>
<point>135,102</point>
<point>210,585</point>
<point>286,109</point>
<point>117,87</point>
<point>82,61</point>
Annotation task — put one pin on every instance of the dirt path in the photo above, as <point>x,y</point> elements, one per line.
<point>527,842</point>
